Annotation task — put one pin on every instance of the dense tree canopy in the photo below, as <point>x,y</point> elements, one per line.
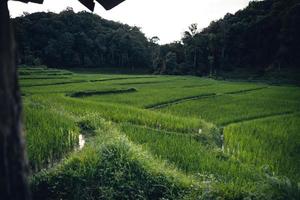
<point>262,37</point>
<point>79,40</point>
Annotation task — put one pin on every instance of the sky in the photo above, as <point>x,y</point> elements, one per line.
<point>167,19</point>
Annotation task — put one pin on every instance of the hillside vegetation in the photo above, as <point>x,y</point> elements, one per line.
<point>260,39</point>
<point>258,42</point>
<point>170,137</point>
<point>79,40</point>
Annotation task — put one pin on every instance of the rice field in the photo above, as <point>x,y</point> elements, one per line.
<point>154,137</point>
<point>50,135</point>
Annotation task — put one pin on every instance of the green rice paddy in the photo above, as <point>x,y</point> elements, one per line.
<point>159,137</point>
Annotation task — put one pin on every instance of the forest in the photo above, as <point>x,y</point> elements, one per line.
<point>259,39</point>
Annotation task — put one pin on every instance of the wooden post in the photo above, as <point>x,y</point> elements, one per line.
<point>13,165</point>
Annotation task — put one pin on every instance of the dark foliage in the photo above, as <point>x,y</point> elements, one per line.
<point>259,40</point>
<point>79,40</point>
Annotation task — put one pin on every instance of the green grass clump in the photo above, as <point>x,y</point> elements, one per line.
<point>49,136</point>
<point>111,167</point>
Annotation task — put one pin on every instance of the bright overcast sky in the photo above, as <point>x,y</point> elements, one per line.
<point>167,19</point>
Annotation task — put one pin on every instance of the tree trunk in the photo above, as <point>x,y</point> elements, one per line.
<point>195,61</point>
<point>13,165</point>
<point>222,64</point>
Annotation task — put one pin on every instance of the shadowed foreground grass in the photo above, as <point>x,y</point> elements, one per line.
<point>111,167</point>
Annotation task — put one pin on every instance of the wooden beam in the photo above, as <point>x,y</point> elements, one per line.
<point>89,4</point>
<point>33,1</point>
<point>109,4</point>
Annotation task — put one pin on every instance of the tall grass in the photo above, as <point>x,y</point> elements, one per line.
<point>118,113</point>
<point>272,142</point>
<point>229,108</point>
<point>111,167</point>
<point>49,136</point>
<point>191,155</point>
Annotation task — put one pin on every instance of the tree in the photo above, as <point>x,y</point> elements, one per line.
<point>261,37</point>
<point>190,41</point>
<point>81,39</point>
<point>13,164</point>
<point>154,49</point>
<point>171,63</point>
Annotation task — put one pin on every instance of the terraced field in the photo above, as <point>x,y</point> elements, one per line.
<point>159,137</point>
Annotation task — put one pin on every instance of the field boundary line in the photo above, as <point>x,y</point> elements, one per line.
<point>45,77</point>
<point>180,100</point>
<point>246,90</point>
<point>58,83</point>
<point>84,81</point>
<point>107,92</point>
<point>162,131</point>
<point>142,83</point>
<point>258,118</point>
<point>120,78</point>
<point>202,96</point>
<point>196,86</point>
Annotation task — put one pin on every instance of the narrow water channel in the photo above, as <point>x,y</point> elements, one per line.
<point>81,141</point>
